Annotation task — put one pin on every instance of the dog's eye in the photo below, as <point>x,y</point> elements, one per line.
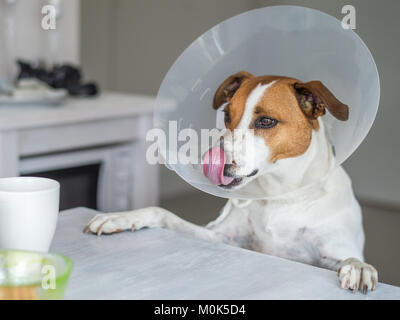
<point>265,123</point>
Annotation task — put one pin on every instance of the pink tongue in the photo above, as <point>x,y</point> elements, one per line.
<point>213,167</point>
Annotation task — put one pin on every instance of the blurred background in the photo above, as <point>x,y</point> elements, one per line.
<point>129,45</point>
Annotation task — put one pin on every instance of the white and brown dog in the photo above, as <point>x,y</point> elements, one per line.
<point>320,225</point>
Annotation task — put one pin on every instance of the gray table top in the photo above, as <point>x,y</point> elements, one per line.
<point>162,264</point>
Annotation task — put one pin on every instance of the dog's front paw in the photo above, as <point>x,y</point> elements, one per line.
<point>354,274</point>
<point>109,223</point>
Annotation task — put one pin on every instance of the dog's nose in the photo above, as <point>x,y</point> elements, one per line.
<point>228,170</point>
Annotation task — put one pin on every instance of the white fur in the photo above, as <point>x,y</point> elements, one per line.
<point>247,150</point>
<point>251,102</point>
<point>317,220</point>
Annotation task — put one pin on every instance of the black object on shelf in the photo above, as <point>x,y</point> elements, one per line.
<point>63,76</point>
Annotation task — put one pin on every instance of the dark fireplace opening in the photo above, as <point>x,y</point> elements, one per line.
<point>78,185</point>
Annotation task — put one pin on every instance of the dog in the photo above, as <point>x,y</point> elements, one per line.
<point>318,221</point>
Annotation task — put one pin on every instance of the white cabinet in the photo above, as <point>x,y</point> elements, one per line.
<point>109,130</point>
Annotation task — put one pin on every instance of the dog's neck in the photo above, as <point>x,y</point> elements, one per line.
<point>293,174</point>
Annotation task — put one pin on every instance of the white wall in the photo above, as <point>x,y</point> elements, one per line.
<point>31,39</point>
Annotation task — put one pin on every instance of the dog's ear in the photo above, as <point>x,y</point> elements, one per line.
<point>228,88</point>
<point>314,97</point>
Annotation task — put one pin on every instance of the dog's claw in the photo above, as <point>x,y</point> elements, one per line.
<point>133,228</point>
<point>365,288</point>
<point>100,230</point>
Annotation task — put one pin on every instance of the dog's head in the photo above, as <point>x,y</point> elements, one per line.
<point>270,118</point>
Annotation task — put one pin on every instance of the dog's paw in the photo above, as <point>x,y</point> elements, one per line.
<point>356,275</point>
<point>109,223</point>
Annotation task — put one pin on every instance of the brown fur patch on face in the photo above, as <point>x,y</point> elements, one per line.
<point>292,134</point>
<point>238,102</point>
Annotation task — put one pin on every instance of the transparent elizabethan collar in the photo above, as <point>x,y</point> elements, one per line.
<point>290,41</point>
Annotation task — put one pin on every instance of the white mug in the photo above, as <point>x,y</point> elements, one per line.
<point>28,212</point>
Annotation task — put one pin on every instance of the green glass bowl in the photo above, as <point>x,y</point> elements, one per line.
<point>28,275</point>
